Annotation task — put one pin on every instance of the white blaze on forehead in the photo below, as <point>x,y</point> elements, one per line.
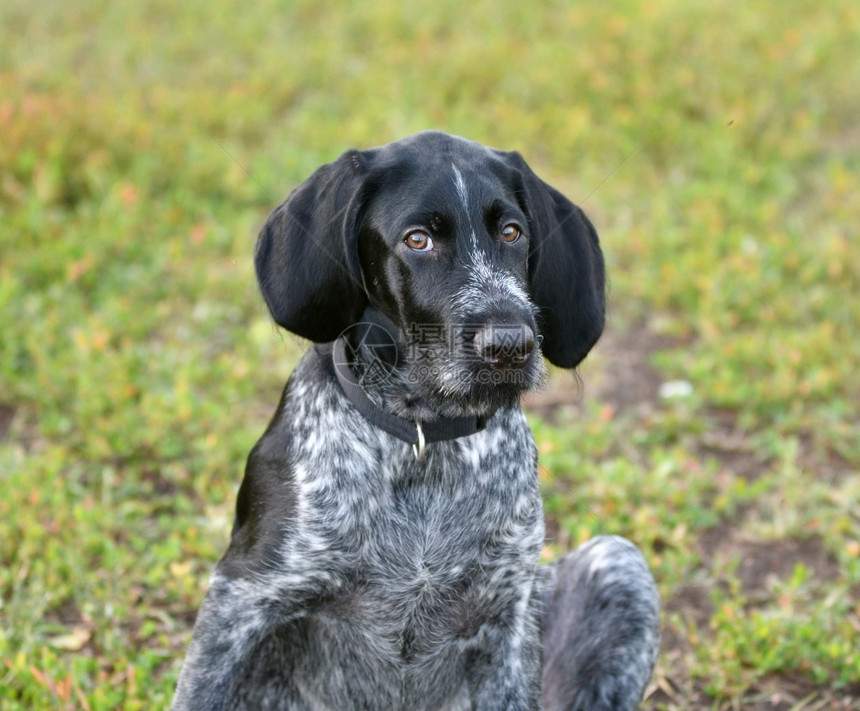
<point>460,184</point>
<point>463,194</point>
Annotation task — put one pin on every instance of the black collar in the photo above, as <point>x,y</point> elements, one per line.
<point>412,432</point>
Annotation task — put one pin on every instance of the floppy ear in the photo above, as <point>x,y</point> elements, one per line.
<point>566,273</point>
<point>306,256</point>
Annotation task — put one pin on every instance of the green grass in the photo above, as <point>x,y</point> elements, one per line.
<point>138,364</point>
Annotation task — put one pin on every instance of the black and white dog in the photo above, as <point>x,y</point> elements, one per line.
<point>365,573</point>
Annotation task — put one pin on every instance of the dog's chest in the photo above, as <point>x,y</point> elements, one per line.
<point>436,557</point>
<point>417,554</point>
<point>404,526</point>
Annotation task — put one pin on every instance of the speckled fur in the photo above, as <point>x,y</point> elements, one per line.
<point>360,578</point>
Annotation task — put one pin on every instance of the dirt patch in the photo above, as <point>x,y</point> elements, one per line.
<point>7,414</point>
<point>782,692</point>
<point>160,484</point>
<point>627,380</point>
<point>763,563</point>
<point>823,461</point>
<point>693,604</point>
<point>732,447</point>
<point>66,612</point>
<point>773,693</point>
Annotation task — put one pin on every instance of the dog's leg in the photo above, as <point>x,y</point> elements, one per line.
<point>225,631</point>
<point>230,625</point>
<point>601,627</point>
<point>505,673</point>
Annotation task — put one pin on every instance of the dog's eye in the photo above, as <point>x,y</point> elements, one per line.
<point>510,233</point>
<point>419,241</point>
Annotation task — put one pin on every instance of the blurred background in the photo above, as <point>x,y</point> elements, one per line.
<point>716,148</point>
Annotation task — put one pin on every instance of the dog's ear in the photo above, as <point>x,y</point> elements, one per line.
<point>306,256</point>
<point>566,273</point>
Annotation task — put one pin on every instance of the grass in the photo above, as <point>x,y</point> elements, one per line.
<point>715,147</point>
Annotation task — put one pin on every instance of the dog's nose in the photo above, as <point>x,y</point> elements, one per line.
<point>505,345</point>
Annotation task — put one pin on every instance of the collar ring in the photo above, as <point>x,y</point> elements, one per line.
<point>418,449</point>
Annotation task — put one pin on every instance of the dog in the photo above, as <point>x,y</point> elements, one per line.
<point>385,548</point>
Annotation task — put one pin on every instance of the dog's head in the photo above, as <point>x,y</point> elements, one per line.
<point>479,264</point>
